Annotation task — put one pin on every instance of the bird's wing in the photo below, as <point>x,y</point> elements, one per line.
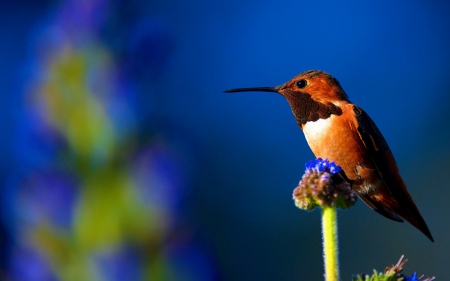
<point>384,163</point>
<point>377,146</point>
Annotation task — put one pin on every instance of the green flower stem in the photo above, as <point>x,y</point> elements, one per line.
<point>330,243</point>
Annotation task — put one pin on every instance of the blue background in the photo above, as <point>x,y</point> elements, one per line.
<point>246,153</point>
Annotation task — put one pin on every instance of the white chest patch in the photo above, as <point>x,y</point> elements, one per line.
<point>315,130</point>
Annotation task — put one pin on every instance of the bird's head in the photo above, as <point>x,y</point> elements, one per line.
<point>320,86</point>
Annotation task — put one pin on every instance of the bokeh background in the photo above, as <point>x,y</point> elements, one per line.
<point>121,158</point>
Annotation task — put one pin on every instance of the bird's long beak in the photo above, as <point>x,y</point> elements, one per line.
<point>255,89</point>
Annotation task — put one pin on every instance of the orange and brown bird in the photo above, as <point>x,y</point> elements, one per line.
<point>342,132</point>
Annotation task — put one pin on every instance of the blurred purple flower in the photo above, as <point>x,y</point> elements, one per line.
<point>161,176</point>
<point>26,264</point>
<point>47,196</point>
<point>80,16</point>
<point>43,190</point>
<point>120,264</point>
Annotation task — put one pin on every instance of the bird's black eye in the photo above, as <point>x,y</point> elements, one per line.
<point>301,84</point>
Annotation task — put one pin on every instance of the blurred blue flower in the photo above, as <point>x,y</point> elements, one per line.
<point>36,143</point>
<point>26,264</point>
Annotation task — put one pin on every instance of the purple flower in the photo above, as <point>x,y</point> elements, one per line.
<point>322,185</point>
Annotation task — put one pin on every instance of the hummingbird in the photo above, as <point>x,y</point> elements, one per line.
<point>341,131</point>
